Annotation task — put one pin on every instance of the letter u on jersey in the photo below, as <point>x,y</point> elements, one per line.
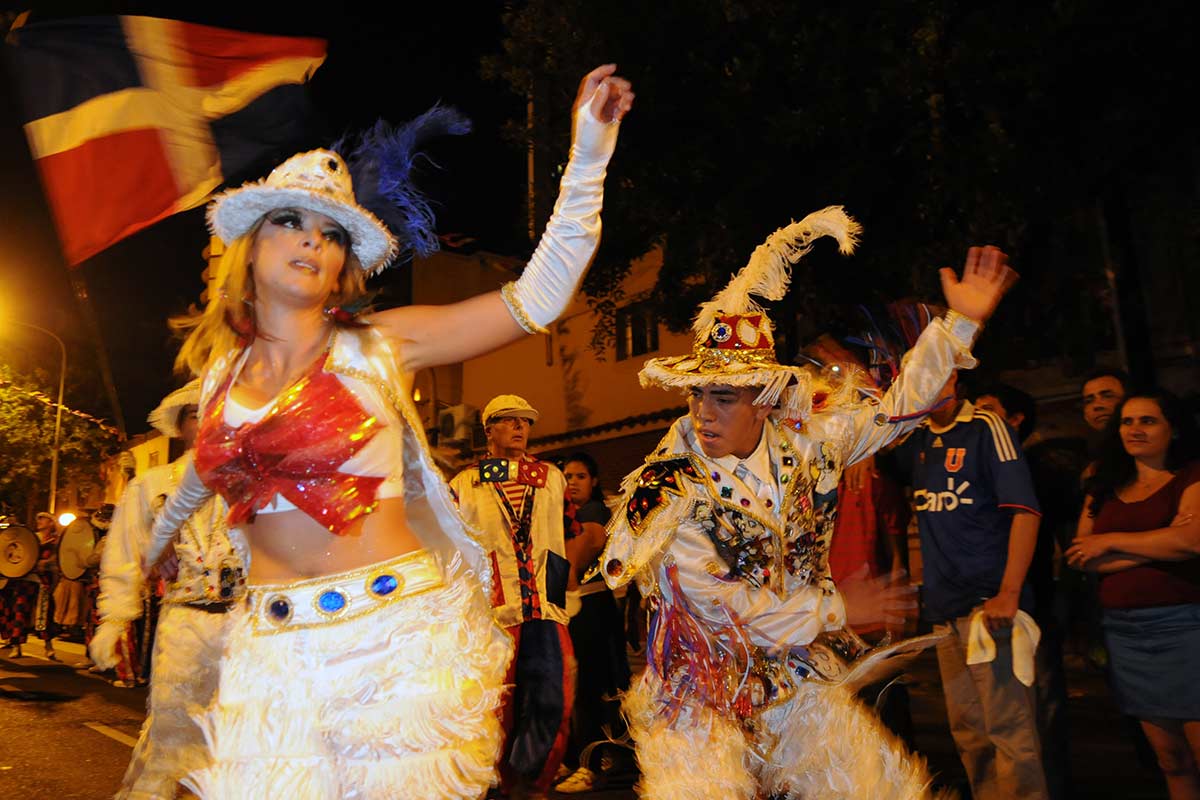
<point>955,456</point>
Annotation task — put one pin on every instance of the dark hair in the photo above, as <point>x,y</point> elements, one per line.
<point>179,414</point>
<point>1116,468</point>
<point>1105,372</point>
<point>1014,401</point>
<point>592,468</point>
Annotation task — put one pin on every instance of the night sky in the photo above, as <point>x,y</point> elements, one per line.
<point>373,70</point>
<point>396,70</point>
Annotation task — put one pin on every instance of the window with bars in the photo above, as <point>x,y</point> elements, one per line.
<point>637,330</point>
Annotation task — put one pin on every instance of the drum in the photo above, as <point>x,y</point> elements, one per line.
<point>19,548</point>
<point>75,548</point>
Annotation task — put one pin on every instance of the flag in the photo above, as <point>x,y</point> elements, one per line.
<point>133,119</point>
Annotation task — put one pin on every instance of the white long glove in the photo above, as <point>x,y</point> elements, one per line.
<point>567,245</point>
<point>185,501</point>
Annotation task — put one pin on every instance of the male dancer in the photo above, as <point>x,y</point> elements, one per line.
<point>206,577</point>
<point>726,527</point>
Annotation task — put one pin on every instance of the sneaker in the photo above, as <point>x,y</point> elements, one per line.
<point>581,780</point>
<point>51,655</point>
<point>563,772</point>
<point>120,684</point>
<point>14,652</point>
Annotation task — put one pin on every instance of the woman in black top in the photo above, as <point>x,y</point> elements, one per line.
<point>597,632</point>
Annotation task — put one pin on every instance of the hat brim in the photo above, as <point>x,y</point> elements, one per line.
<point>165,418</point>
<point>685,371</point>
<point>233,213</point>
<point>785,385</point>
<point>524,413</point>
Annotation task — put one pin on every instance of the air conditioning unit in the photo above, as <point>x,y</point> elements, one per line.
<point>458,424</point>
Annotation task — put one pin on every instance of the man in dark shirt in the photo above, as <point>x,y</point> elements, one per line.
<point>978,519</point>
<point>1054,465</point>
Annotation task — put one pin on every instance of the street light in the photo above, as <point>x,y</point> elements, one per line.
<point>62,379</point>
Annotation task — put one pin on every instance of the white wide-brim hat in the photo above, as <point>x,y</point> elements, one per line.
<point>165,418</point>
<point>734,338</point>
<point>316,181</point>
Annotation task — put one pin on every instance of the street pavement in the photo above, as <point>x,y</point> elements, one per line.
<point>66,733</point>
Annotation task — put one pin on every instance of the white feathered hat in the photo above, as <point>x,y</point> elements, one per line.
<point>363,181</point>
<point>318,180</point>
<point>735,340</point>
<point>165,418</point>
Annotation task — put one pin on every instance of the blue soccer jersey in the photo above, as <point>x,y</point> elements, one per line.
<point>967,480</point>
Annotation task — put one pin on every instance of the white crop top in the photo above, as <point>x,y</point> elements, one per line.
<point>383,456</point>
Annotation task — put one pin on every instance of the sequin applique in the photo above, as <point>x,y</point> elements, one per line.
<point>316,425</point>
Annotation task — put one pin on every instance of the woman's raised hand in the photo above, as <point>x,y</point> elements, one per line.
<point>610,96</point>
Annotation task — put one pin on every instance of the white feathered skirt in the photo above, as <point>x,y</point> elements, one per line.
<point>819,744</point>
<point>378,682</point>
<point>187,649</point>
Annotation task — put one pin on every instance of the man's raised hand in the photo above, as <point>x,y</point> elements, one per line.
<point>986,278</point>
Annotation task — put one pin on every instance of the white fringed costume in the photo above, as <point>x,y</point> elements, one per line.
<point>398,701</point>
<point>742,696</point>
<point>189,633</point>
<point>394,689</point>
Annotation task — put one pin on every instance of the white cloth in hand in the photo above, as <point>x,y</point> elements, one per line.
<point>981,648</point>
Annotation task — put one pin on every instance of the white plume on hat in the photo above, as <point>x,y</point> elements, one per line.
<point>768,273</point>
<point>165,418</point>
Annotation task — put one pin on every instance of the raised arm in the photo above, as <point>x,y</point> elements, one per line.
<point>432,335</point>
<point>944,345</point>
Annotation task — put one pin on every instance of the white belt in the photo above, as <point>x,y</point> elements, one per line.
<point>342,596</point>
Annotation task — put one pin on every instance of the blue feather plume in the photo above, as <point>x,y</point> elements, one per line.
<point>381,162</point>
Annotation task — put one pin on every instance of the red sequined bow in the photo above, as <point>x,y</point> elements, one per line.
<point>315,426</point>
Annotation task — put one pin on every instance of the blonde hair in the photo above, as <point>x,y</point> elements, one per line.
<point>227,321</point>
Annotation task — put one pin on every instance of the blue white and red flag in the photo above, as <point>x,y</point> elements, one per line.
<point>132,119</point>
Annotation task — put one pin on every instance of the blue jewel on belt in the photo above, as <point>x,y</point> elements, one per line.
<point>331,601</point>
<point>384,585</point>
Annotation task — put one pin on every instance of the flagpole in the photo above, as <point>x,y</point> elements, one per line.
<point>79,286</point>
